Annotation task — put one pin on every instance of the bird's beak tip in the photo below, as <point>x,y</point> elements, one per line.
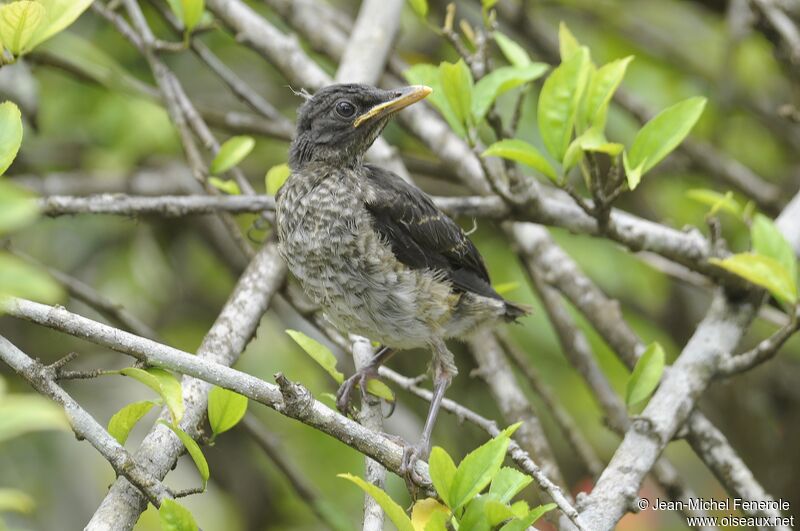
<point>405,97</point>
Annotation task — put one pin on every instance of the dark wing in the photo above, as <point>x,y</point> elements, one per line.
<point>421,235</point>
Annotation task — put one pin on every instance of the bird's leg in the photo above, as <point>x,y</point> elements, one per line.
<point>345,393</point>
<point>444,370</point>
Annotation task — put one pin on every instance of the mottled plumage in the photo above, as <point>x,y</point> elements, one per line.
<point>373,250</point>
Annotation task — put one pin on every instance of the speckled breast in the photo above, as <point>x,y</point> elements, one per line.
<point>326,237</point>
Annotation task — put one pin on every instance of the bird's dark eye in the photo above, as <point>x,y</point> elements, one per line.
<point>345,109</point>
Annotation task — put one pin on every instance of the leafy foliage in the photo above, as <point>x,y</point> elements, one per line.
<point>175,517</point>
<point>231,153</point>
<point>460,487</point>
<point>125,419</point>
<point>225,409</point>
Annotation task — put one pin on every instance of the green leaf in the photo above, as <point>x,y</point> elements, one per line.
<point>663,134</point>
<point>175,517</point>
<point>524,523</point>
<point>558,103</point>
<point>275,178</point>
<point>59,14</point>
<point>507,483</point>
<point>225,409</point>
<point>520,508</point>
<point>194,451</point>
<point>163,383</point>
<point>125,419</point>
<point>192,12</point>
<point>497,512</point>
<point>478,468</point>
<point>420,7</point>
<point>568,45</point>
<point>395,513</point>
<point>513,52</point>
<point>475,516</point>
<point>457,86</point>
<point>424,511</point>
<point>18,23</point>
<point>646,375</point>
<point>592,140</point>
<point>17,207</point>
<point>10,133</point>
<point>229,187</point>
<point>319,353</point>
<point>21,279</point>
<point>16,501</point>
<point>768,241</point>
<point>21,414</point>
<point>442,470</point>
<point>427,74</point>
<point>632,174</point>
<point>438,522</point>
<point>501,80</point>
<point>521,151</point>
<point>231,153</point>
<point>380,389</point>
<point>602,86</point>
<point>762,271</point>
<point>716,201</point>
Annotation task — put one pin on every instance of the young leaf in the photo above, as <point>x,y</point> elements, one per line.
<point>497,512</point>
<point>663,134</point>
<point>716,201</point>
<point>21,279</point>
<point>521,151</point>
<point>275,178</point>
<point>18,23</point>
<point>442,470</point>
<point>125,419</point>
<point>229,187</point>
<point>15,500</point>
<point>423,512</point>
<point>192,12</point>
<point>567,43</point>
<point>558,103</point>
<point>768,241</point>
<point>163,383</point>
<point>194,451</point>
<point>456,81</point>
<point>427,74</point>
<point>646,375</point>
<point>501,80</point>
<point>437,522</point>
<point>513,52</point>
<point>505,288</point>
<point>17,207</point>
<point>525,522</point>
<point>231,153</point>
<point>762,271</point>
<point>602,86</point>
<point>10,133</point>
<point>59,14</point>
<point>380,389</point>
<point>507,483</point>
<point>175,517</point>
<point>318,352</point>
<point>420,7</point>
<point>395,513</point>
<point>225,409</point>
<point>25,413</point>
<point>478,468</point>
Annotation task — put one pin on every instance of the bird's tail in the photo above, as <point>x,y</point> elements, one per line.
<point>514,311</point>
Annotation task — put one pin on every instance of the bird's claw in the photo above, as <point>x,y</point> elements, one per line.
<point>411,454</point>
<point>344,395</point>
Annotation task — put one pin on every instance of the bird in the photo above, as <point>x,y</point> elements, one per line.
<point>374,251</point>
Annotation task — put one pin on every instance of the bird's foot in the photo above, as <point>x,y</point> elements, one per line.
<point>411,454</point>
<point>344,396</point>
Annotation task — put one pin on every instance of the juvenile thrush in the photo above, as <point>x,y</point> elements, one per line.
<point>373,250</point>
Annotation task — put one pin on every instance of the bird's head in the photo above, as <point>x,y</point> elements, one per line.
<point>340,122</point>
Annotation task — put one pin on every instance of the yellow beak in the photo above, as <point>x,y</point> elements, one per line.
<point>408,95</point>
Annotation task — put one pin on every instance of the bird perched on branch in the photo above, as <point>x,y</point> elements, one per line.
<point>373,250</point>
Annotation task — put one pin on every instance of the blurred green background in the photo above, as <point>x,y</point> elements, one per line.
<point>91,137</point>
